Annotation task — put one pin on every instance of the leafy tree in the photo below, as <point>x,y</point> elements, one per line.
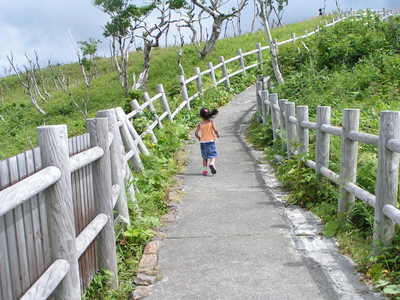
<point>89,51</point>
<point>129,22</point>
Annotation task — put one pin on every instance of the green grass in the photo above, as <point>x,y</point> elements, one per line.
<point>18,132</point>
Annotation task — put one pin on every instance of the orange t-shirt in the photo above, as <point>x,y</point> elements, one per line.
<point>207,132</point>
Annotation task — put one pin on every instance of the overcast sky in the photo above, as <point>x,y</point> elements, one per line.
<point>27,25</point>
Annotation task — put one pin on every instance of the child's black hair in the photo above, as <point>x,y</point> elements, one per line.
<point>206,114</point>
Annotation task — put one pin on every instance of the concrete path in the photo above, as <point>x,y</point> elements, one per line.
<point>233,238</point>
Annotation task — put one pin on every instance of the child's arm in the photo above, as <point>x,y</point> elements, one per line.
<point>215,129</point>
<point>196,133</point>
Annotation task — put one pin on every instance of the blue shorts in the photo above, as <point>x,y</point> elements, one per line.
<point>208,150</point>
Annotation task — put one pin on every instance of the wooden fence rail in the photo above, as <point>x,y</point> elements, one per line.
<point>57,200</point>
<point>295,132</point>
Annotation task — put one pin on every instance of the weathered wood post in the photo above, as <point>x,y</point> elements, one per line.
<point>118,162</point>
<point>290,128</point>
<point>325,23</point>
<point>164,101</point>
<point>293,37</point>
<point>224,72</point>
<point>147,99</point>
<point>212,72</point>
<point>305,33</point>
<point>275,44</point>
<point>387,178</point>
<point>348,161</point>
<point>322,139</point>
<point>241,61</point>
<point>53,143</point>
<point>199,83</point>
<point>282,121</point>
<point>184,93</point>
<point>130,144</point>
<point>140,145</point>
<point>102,187</point>
<point>273,99</point>
<point>264,106</point>
<point>258,100</point>
<point>302,133</point>
<point>259,56</point>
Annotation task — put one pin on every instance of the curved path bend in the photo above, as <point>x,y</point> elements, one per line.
<point>234,239</point>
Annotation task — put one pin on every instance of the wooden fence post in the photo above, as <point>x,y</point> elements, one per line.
<point>258,100</point>
<point>102,187</point>
<point>147,98</point>
<point>322,139</point>
<point>53,143</point>
<point>122,117</point>
<point>225,72</point>
<point>387,177</point>
<point>118,162</point>
<point>199,83</point>
<point>273,99</point>
<point>212,73</point>
<point>293,37</point>
<point>305,33</point>
<point>348,161</point>
<point>241,61</point>
<point>184,93</point>
<point>259,56</point>
<point>290,128</point>
<point>264,107</point>
<point>130,144</point>
<point>282,121</point>
<point>164,101</point>
<point>302,133</point>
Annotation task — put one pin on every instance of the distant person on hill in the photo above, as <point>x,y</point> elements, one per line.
<point>320,11</point>
<point>209,134</point>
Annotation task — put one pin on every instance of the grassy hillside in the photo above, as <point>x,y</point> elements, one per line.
<point>18,131</point>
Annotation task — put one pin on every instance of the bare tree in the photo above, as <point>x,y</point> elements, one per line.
<point>87,75</point>
<point>213,8</point>
<point>182,42</point>
<point>41,76</point>
<point>256,14</point>
<point>30,81</point>
<point>53,76</point>
<point>64,83</point>
<point>264,13</point>
<point>128,19</point>
<point>189,20</point>
<point>151,37</point>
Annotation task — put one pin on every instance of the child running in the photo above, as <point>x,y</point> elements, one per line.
<point>208,134</point>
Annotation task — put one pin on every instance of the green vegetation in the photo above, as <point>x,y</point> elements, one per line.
<point>354,64</point>
<point>18,133</point>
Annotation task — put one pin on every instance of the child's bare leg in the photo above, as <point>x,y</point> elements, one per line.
<point>212,161</point>
<point>204,162</point>
<point>205,172</point>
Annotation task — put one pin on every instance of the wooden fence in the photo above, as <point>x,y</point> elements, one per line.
<point>57,200</point>
<point>294,132</point>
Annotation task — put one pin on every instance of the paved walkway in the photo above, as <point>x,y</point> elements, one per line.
<point>233,238</point>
